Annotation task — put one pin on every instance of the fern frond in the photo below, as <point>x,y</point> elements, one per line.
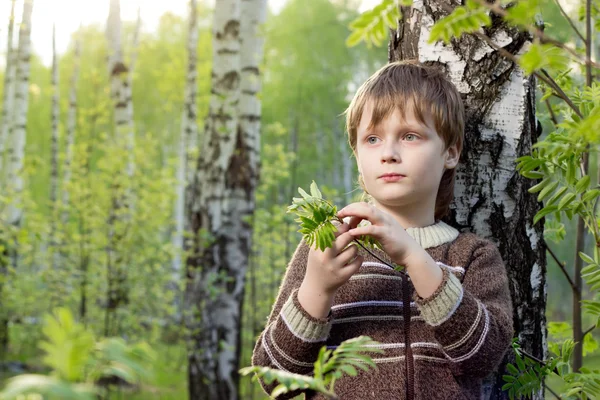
<point>287,381</point>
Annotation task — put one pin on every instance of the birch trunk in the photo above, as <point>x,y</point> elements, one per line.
<point>54,155</point>
<point>8,95</point>
<point>122,197</point>
<point>16,150</point>
<point>187,140</point>
<point>71,128</point>
<point>491,199</point>
<point>223,202</point>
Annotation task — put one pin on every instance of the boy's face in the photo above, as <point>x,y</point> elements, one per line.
<point>407,147</point>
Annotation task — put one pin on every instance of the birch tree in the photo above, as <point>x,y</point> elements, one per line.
<point>187,139</point>
<point>8,95</point>
<point>17,133</point>
<point>124,137</point>
<point>491,199</point>
<point>222,202</point>
<point>54,155</point>
<point>71,126</point>
<point>15,154</point>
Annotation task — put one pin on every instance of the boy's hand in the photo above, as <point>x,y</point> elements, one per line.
<point>327,270</point>
<point>391,235</point>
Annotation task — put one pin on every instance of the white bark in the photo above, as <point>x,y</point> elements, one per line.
<point>491,199</point>
<point>71,127</point>
<point>54,154</point>
<point>17,133</point>
<point>8,96</point>
<point>224,200</point>
<point>187,139</point>
<point>120,88</point>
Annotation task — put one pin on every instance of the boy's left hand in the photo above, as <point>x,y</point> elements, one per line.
<point>396,242</point>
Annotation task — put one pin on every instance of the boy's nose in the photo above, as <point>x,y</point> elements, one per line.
<point>390,154</point>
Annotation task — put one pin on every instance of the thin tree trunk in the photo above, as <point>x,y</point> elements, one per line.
<point>223,202</point>
<point>8,95</point>
<point>71,128</point>
<point>122,196</point>
<point>54,156</point>
<point>16,150</point>
<point>187,141</point>
<point>491,199</point>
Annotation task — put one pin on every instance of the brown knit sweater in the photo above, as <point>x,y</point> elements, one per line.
<point>458,335</point>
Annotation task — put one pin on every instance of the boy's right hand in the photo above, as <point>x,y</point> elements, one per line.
<point>327,271</point>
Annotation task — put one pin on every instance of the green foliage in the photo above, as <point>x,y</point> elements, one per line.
<point>68,345</point>
<point>330,366</point>
<point>464,19</point>
<point>315,216</point>
<point>372,26</point>
<point>78,362</point>
<point>543,56</point>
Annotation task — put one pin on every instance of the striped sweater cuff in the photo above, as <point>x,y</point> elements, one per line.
<point>440,306</point>
<point>302,324</point>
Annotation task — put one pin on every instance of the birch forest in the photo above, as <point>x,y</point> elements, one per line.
<point>146,165</point>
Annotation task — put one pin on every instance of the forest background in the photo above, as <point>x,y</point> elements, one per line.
<point>308,77</point>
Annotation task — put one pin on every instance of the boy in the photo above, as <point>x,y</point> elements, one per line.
<point>405,127</point>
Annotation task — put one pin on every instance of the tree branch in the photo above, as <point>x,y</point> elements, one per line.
<point>589,330</point>
<point>545,77</point>
<point>537,32</point>
<point>552,116</point>
<point>562,267</point>
<point>562,11</point>
<point>552,391</point>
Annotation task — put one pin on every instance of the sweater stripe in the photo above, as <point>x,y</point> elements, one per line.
<point>430,345</point>
<point>284,354</point>
<point>376,264</point>
<point>375,276</point>
<point>270,354</point>
<point>374,318</point>
<point>371,303</point>
<point>459,270</point>
<point>479,343</point>
<point>471,330</point>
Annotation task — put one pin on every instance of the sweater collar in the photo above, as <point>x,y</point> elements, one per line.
<point>433,235</point>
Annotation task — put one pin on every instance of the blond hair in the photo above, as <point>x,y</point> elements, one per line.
<point>404,85</point>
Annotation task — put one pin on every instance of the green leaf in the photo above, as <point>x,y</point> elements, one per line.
<point>314,191</point>
<point>543,56</point>
<point>590,195</point>
<point>556,195</point>
<point>565,201</point>
<point>547,190</point>
<point>543,212</point>
<point>586,258</point>
<point>539,186</point>
<point>464,19</point>
<point>355,38</point>
<point>582,184</point>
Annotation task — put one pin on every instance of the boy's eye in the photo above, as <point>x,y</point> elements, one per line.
<point>411,135</point>
<point>371,139</point>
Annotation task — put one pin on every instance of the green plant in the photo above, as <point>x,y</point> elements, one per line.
<point>79,364</point>
<point>316,216</point>
<point>329,367</point>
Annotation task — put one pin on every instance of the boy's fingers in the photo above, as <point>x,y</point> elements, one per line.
<point>347,255</point>
<point>354,221</point>
<point>342,241</point>
<point>342,229</point>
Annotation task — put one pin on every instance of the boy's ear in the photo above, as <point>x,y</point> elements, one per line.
<point>452,157</point>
